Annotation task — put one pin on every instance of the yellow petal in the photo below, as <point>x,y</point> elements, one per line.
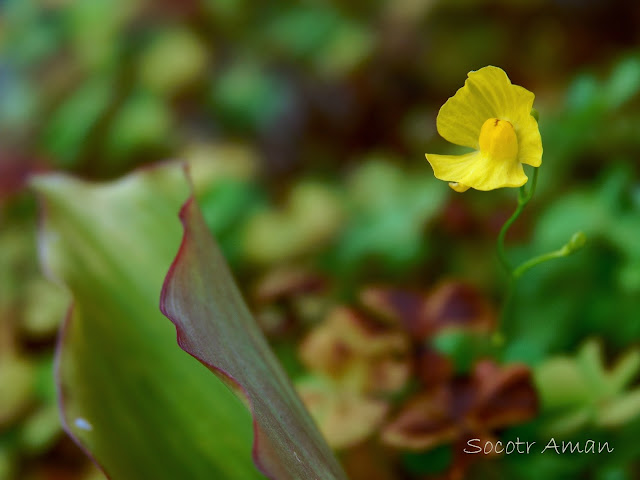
<point>529,142</point>
<point>458,187</point>
<point>487,93</point>
<point>477,170</point>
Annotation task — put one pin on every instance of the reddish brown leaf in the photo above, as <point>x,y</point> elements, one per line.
<point>215,326</point>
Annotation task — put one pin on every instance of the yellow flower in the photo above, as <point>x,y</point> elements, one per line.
<point>493,117</point>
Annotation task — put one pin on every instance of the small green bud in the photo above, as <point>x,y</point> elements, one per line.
<point>578,240</point>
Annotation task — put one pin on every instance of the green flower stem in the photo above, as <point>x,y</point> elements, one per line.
<point>524,197</point>
<point>562,252</point>
<point>577,241</point>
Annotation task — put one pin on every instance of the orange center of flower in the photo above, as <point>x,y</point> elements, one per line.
<point>498,140</point>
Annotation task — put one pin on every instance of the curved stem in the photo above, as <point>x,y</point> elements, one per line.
<point>562,252</point>
<point>534,182</point>
<point>575,243</point>
<point>524,197</point>
<point>503,232</point>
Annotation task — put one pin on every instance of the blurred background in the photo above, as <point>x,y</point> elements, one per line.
<point>316,116</point>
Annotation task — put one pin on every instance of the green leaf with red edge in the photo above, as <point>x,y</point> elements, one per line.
<point>140,406</point>
<point>215,326</point>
